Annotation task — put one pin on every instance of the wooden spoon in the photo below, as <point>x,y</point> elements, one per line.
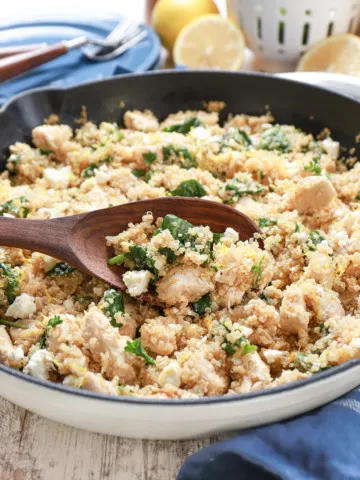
<point>80,239</point>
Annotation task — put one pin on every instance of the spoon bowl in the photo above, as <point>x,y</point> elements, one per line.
<point>80,239</point>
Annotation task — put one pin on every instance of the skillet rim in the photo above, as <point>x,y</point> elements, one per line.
<point>333,372</point>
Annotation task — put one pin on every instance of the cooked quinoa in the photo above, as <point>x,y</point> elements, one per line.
<point>235,317</point>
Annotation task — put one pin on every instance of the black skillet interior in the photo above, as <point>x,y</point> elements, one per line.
<point>307,107</point>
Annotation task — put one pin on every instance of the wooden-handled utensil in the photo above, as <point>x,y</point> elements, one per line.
<point>80,239</point>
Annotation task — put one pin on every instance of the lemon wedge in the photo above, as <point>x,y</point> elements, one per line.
<point>337,54</point>
<point>170,16</point>
<point>210,41</point>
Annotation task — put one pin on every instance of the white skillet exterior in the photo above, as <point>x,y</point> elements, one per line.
<point>174,419</point>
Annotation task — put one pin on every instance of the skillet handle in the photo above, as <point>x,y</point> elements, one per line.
<point>17,64</point>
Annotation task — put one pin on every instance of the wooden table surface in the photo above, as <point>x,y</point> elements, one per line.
<point>33,448</point>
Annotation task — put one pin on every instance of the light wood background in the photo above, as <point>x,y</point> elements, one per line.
<point>33,448</point>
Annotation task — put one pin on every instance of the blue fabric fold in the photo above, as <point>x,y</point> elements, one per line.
<point>321,445</point>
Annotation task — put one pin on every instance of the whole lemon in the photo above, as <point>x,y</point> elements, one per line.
<point>170,16</point>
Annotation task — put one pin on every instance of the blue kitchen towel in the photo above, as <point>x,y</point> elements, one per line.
<point>74,68</point>
<point>321,445</point>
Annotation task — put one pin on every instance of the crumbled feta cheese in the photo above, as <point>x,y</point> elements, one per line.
<point>8,215</point>
<point>272,356</point>
<point>57,177</point>
<point>170,375</point>
<point>23,307</point>
<point>200,133</point>
<point>68,303</point>
<point>49,262</point>
<point>137,282</point>
<point>17,354</point>
<point>355,343</point>
<point>331,147</point>
<point>231,234</point>
<point>40,364</point>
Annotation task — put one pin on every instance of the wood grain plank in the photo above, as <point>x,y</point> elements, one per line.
<point>34,448</point>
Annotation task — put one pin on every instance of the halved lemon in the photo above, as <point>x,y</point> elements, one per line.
<point>210,41</point>
<point>338,54</point>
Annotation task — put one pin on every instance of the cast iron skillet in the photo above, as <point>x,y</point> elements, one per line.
<point>308,107</point>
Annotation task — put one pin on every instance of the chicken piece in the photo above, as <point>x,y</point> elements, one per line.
<point>321,269</point>
<point>181,117</point>
<point>159,335</point>
<point>313,193</point>
<point>294,317</point>
<point>96,383</point>
<point>107,347</point>
<point>10,355</point>
<point>29,336</point>
<point>203,368</point>
<point>329,306</point>
<point>184,284</point>
<point>51,137</point>
<point>249,372</point>
<point>144,121</point>
<point>288,376</point>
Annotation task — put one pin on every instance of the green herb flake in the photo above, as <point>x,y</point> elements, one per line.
<point>56,320</point>
<point>12,282</point>
<point>89,171</point>
<point>185,127</point>
<point>117,260</point>
<point>257,271</point>
<point>266,222</point>
<point>242,342</point>
<point>171,256</point>
<point>189,188</point>
<point>42,151</point>
<point>315,238</point>
<point>275,139</point>
<point>201,305</point>
<point>113,304</point>
<point>138,173</point>
<point>357,197</point>
<point>7,323</point>
<point>137,348</point>
<point>238,189</point>
<point>149,157</point>
<point>313,166</point>
<point>187,159</point>
<point>59,269</point>
<point>18,207</point>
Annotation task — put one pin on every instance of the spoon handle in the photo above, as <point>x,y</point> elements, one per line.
<point>46,236</point>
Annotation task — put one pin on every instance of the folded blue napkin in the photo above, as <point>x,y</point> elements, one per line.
<point>321,445</point>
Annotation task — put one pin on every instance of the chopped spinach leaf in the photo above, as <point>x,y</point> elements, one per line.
<point>187,159</point>
<point>217,237</point>
<point>266,222</point>
<point>230,348</point>
<point>56,320</point>
<point>257,271</point>
<point>149,157</point>
<point>138,173</point>
<point>315,238</point>
<point>7,323</point>
<point>45,152</point>
<point>171,257</point>
<point>59,269</point>
<point>314,167</point>
<point>177,226</point>
<point>113,304</point>
<point>18,207</point>
<point>238,189</point>
<point>183,128</point>
<point>275,139</point>
<point>137,348</point>
<point>89,171</point>
<point>357,197</point>
<point>12,282</point>
<point>140,256</point>
<point>117,260</point>
<point>202,304</point>
<point>189,188</point>
<point>148,176</point>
